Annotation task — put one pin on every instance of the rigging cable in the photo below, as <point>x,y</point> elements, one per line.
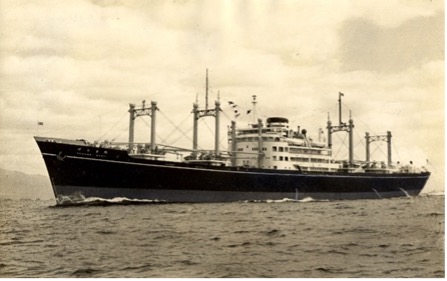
<point>354,116</point>
<point>177,127</point>
<point>343,142</point>
<point>179,137</point>
<point>360,142</point>
<point>361,121</point>
<point>111,127</point>
<point>157,135</point>
<point>395,150</point>
<point>378,147</point>
<point>206,125</point>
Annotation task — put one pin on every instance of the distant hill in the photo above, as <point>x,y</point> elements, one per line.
<point>18,185</point>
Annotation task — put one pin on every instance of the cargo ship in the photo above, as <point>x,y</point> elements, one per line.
<point>265,160</point>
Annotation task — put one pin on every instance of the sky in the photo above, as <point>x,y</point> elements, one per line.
<point>76,65</point>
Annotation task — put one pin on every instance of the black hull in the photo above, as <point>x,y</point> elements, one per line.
<point>76,169</point>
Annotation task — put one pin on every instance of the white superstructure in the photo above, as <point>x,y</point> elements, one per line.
<point>276,146</point>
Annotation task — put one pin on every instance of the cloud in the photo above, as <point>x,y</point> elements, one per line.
<point>367,46</point>
<point>393,13</point>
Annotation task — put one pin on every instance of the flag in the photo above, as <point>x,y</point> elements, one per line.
<point>341,94</point>
<point>39,123</point>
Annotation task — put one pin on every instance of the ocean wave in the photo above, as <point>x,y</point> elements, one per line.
<point>80,200</point>
<point>435,193</point>
<point>225,240</point>
<point>287,200</point>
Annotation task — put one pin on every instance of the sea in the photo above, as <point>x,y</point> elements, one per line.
<point>401,237</point>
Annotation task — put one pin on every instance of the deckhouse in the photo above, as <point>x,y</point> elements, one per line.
<point>277,146</point>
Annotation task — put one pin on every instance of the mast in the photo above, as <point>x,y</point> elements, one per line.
<point>197,114</point>
<point>143,111</point>
<point>254,102</point>
<point>342,127</point>
<point>195,111</point>
<point>386,138</point>
<point>217,126</point>
<point>367,141</point>
<point>260,153</point>
<point>233,144</point>
<point>388,141</point>
<point>329,131</point>
<point>153,123</point>
<point>340,94</point>
<point>351,140</point>
<point>131,125</point>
